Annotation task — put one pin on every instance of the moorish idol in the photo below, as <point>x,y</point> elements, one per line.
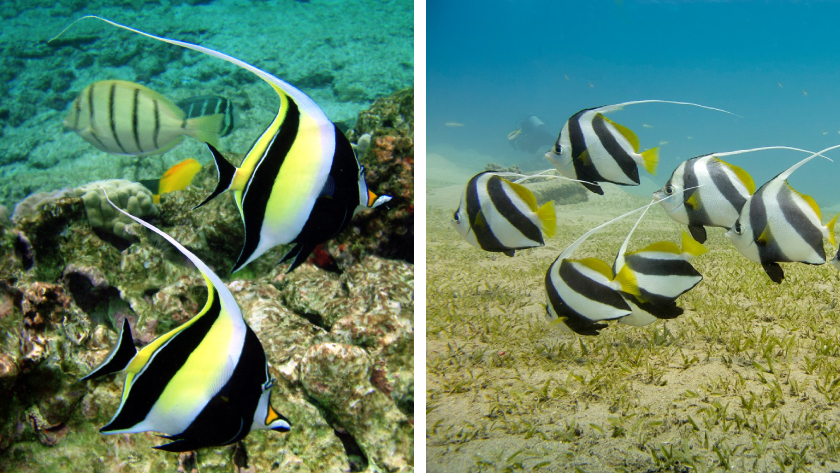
<point>593,148</point>
<point>778,224</point>
<point>121,117</point>
<point>203,384</point>
<point>176,178</point>
<point>300,182</point>
<point>720,191</point>
<point>498,215</point>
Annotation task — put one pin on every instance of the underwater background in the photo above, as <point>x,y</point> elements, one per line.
<point>337,332</point>
<point>747,378</point>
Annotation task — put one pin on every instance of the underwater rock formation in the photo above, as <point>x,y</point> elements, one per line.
<point>63,290</point>
<point>389,161</point>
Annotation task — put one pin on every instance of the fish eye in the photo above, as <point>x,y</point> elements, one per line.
<point>669,190</point>
<point>455,216</point>
<point>739,229</point>
<point>558,149</point>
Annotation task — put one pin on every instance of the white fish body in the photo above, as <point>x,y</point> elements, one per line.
<point>778,224</point>
<point>498,215</point>
<point>122,117</point>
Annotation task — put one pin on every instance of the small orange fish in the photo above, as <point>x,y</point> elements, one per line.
<point>176,178</point>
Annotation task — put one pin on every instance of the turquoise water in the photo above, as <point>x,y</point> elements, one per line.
<point>343,54</point>
<point>491,64</point>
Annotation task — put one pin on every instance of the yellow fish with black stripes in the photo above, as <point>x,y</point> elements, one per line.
<point>203,384</point>
<point>300,182</point>
<point>121,117</point>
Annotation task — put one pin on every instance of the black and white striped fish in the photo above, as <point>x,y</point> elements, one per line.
<point>658,273</point>
<point>778,224</point>
<point>836,260</point>
<point>122,117</point>
<point>718,191</point>
<point>593,148</point>
<point>300,183</point>
<point>203,384</point>
<point>498,215</point>
<point>205,105</point>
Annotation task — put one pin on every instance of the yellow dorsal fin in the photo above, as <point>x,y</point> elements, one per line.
<point>523,194</point>
<point>661,247</point>
<point>742,176</point>
<point>809,200</point>
<point>651,160</point>
<point>693,202</point>
<point>627,282</point>
<point>596,265</point>
<point>691,246</point>
<point>830,227</point>
<point>625,132</point>
<point>548,217</point>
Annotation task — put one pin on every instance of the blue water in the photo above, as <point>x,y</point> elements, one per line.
<point>775,64</point>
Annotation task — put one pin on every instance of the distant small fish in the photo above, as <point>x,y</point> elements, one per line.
<point>121,117</point>
<point>498,215</point>
<point>780,85</point>
<point>205,105</point>
<point>566,76</point>
<point>512,135</point>
<point>645,125</point>
<point>591,85</point>
<point>203,384</point>
<point>593,148</point>
<point>453,124</point>
<point>824,133</point>
<point>176,178</point>
<point>778,224</point>
<point>805,93</point>
<point>662,142</point>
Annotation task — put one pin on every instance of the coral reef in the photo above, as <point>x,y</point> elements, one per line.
<point>127,195</point>
<point>389,161</point>
<point>63,289</point>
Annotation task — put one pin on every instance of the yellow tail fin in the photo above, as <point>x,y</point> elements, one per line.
<point>651,160</point>
<point>548,217</point>
<point>831,230</point>
<point>205,128</point>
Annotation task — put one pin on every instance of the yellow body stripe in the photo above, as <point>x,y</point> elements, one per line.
<point>255,155</point>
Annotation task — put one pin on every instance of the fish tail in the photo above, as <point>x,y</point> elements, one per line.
<point>299,253</point>
<point>225,172</point>
<point>627,282</point>
<point>120,356</point>
<point>205,128</point>
<point>691,246</point>
<point>650,160</point>
<point>830,227</point>
<point>548,217</point>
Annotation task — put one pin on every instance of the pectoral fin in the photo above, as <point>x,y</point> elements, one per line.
<point>120,356</point>
<point>774,271</point>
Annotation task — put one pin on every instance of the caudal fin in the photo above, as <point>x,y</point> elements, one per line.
<point>225,172</point>
<point>650,160</point>
<point>830,227</point>
<point>120,356</point>
<point>205,129</point>
<point>548,217</point>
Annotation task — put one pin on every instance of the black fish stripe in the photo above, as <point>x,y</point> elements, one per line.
<point>111,117</point>
<point>190,111</point>
<point>690,180</point>
<point>795,218</point>
<point>90,107</point>
<point>227,127</point>
<point>263,177</point>
<point>660,267</point>
<point>626,162</point>
<point>589,288</point>
<point>162,367</point>
<point>134,120</point>
<point>758,221</point>
<point>575,321</point>
<point>77,106</point>
<point>726,186</point>
<point>657,306</point>
<point>483,234</point>
<point>505,206</point>
<point>578,142</point>
<point>157,124</point>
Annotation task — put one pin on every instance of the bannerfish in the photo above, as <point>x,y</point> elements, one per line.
<point>121,117</point>
<point>512,135</point>
<point>836,260</point>
<point>300,182</point>
<point>203,384</point>
<point>205,105</point>
<point>719,192</point>
<point>593,148</point>
<point>582,293</point>
<point>658,273</point>
<point>498,215</point>
<point>778,224</point>
<point>176,178</point>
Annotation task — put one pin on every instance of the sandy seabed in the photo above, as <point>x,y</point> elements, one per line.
<point>747,379</point>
